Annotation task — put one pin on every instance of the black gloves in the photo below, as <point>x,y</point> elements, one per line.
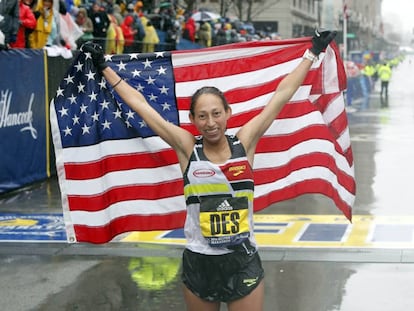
<point>97,55</point>
<point>321,40</point>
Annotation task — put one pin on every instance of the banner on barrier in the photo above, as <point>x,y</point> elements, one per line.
<point>23,118</point>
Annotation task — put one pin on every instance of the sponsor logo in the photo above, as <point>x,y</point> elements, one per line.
<point>22,119</point>
<point>250,282</point>
<point>237,170</point>
<point>203,173</point>
<point>32,227</point>
<point>225,206</point>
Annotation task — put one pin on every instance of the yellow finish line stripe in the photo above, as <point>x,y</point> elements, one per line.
<point>320,231</point>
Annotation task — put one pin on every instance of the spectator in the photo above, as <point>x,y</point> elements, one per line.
<point>204,34</point>
<point>189,29</point>
<point>116,12</point>
<point>100,21</point>
<point>138,8</point>
<point>221,36</point>
<point>171,37</point>
<point>32,5</point>
<point>27,21</point>
<point>46,31</point>
<point>9,20</point>
<point>365,84</point>
<point>139,31</point>
<point>69,31</point>
<point>151,38</point>
<point>384,74</point>
<point>85,24</point>
<point>115,39</point>
<point>129,34</point>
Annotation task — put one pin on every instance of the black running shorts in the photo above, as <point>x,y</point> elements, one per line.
<point>221,277</point>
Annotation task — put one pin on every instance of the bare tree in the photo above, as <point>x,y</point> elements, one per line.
<point>190,5</point>
<point>250,8</point>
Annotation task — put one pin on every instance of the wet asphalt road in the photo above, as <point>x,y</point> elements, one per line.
<point>129,276</point>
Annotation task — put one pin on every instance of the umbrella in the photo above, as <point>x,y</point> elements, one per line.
<point>205,16</point>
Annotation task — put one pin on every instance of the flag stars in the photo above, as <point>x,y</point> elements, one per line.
<point>59,92</point>
<point>136,73</point>
<point>95,116</point>
<point>90,75</point>
<point>102,84</point>
<point>75,119</point>
<point>162,70</point>
<point>85,129</point>
<point>93,96</point>
<point>79,66</point>
<point>150,80</point>
<point>81,88</point>
<point>165,106</point>
<point>130,114</point>
<point>164,90</point>
<point>69,79</point>
<point>88,55</point>
<point>104,104</point>
<point>106,124</point>
<point>72,99</point>
<point>117,114</point>
<point>67,131</point>
<point>152,97</point>
<point>147,63</point>
<point>91,113</point>
<point>121,66</point>
<point>140,88</point>
<point>83,109</point>
<point>63,112</point>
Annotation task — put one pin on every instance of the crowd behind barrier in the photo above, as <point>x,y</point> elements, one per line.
<point>120,26</point>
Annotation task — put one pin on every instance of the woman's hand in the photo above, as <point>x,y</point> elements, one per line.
<point>97,55</point>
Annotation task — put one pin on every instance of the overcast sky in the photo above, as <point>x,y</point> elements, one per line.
<point>400,13</point>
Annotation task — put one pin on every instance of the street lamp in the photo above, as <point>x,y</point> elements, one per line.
<point>345,30</point>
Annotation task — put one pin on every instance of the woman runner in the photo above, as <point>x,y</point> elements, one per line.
<point>221,261</point>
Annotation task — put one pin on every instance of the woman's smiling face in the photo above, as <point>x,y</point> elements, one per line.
<point>210,117</point>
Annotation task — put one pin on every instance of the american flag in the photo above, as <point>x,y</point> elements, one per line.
<point>117,176</point>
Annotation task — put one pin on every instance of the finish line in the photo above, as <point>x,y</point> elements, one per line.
<point>330,231</point>
<point>272,231</point>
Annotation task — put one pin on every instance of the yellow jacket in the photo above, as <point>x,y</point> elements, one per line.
<point>151,37</point>
<point>38,38</point>
<point>384,72</point>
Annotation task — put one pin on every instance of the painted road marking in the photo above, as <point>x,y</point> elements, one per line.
<point>328,231</point>
<point>32,228</point>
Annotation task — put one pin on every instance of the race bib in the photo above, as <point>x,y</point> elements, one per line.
<point>224,221</point>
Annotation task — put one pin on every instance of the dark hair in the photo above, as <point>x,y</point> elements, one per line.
<point>208,90</point>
